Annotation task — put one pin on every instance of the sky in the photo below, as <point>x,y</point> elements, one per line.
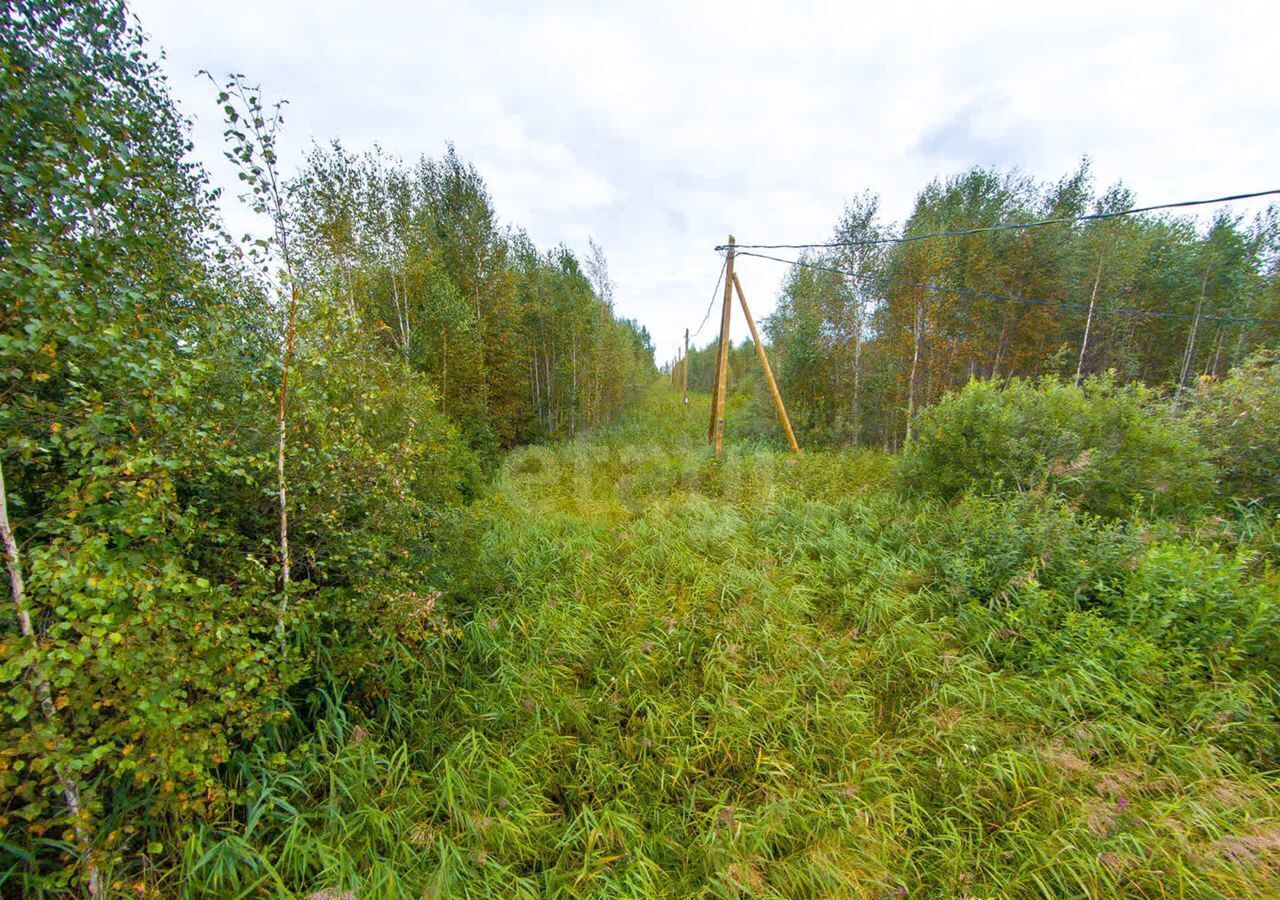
<point>659,128</point>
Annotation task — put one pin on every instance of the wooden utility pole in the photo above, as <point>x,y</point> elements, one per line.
<point>715,377</point>
<point>722,357</point>
<point>768,372</point>
<point>684,370</point>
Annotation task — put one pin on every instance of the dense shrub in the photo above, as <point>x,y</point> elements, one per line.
<point>1239,419</point>
<point>1109,449</point>
<point>1147,618</point>
<point>1203,601</point>
<point>139,371</point>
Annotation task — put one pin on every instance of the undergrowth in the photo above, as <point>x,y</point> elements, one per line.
<point>774,676</point>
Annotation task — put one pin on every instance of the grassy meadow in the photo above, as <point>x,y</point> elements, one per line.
<point>658,675</point>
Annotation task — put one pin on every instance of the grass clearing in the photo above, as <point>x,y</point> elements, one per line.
<point>774,676</point>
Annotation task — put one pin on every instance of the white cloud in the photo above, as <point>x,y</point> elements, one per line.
<point>659,127</point>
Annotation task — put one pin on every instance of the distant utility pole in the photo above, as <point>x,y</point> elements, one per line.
<point>684,372</point>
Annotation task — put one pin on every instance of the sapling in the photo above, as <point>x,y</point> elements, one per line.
<point>252,134</point>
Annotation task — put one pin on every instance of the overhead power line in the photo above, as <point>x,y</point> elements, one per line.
<point>1005,227</point>
<point>1008,298</point>
<point>714,293</point>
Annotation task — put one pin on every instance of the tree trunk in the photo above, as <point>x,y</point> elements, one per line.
<point>401,301</point>
<point>281,446</point>
<point>1189,356</point>
<point>537,393</point>
<point>915,363</point>
<point>1211,367</point>
<point>40,687</point>
<point>1244,328</point>
<point>551,396</point>
<point>351,288</point>
<point>1088,322</point>
<point>857,375</point>
<point>1004,334</point>
<point>484,362</point>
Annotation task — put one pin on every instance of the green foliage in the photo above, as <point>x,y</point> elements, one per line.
<point>773,676</point>
<point>1109,449</point>
<point>865,334</point>
<point>624,667</point>
<point>141,372</point>
<point>1151,621</point>
<point>519,345</point>
<point>1239,420</point>
<point>106,277</point>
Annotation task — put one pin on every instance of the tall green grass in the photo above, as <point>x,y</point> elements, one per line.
<point>773,676</point>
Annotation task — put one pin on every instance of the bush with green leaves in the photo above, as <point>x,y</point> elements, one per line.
<point>1239,420</point>
<point>1149,619</point>
<point>1111,450</point>
<point>141,372</point>
<point>154,668</point>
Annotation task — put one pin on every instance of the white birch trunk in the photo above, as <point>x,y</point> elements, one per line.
<point>40,687</point>
<point>1088,322</point>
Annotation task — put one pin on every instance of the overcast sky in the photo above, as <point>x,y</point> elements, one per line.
<point>659,128</point>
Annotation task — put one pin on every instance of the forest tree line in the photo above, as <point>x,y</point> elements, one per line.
<point>520,344</point>
<point>862,343</point>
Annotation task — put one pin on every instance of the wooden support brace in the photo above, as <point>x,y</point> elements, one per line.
<point>764,364</point>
